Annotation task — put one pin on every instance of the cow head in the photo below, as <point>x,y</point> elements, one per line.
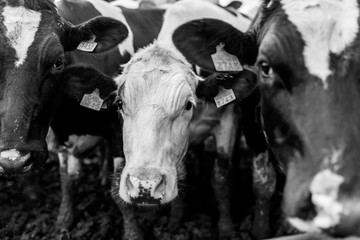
<point>157,94</point>
<point>308,55</point>
<point>33,41</point>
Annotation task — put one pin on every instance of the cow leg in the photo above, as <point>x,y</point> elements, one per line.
<point>225,136</point>
<point>131,229</point>
<point>105,155</point>
<point>176,214</point>
<point>70,169</point>
<point>264,183</point>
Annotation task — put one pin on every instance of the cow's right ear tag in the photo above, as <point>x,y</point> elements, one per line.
<point>88,46</point>
<point>224,61</point>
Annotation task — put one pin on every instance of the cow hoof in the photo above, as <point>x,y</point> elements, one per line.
<point>64,235</point>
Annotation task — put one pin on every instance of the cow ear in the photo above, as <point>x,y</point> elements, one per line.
<point>104,31</point>
<point>242,83</point>
<point>234,5</point>
<point>197,41</point>
<point>81,81</point>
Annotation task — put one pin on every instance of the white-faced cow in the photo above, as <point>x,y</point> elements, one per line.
<point>157,99</point>
<point>81,132</point>
<point>34,40</point>
<point>308,56</point>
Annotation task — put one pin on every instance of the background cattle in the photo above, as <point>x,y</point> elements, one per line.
<point>307,54</point>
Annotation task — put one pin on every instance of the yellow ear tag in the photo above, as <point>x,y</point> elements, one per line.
<point>88,46</point>
<point>92,100</point>
<point>224,97</point>
<point>224,61</point>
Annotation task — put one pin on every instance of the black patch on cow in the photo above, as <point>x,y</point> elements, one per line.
<point>35,5</point>
<point>144,23</point>
<point>71,118</point>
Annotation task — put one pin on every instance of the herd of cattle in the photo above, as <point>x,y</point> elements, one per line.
<point>152,81</point>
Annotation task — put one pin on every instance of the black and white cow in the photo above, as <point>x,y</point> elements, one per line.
<point>34,42</point>
<point>308,55</point>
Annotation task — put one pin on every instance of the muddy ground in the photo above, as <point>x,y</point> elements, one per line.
<point>29,211</point>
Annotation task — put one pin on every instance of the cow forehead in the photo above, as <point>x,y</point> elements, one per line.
<point>21,27</point>
<point>159,86</point>
<point>326,26</point>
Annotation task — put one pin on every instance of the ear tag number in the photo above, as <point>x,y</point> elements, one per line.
<point>224,61</point>
<point>88,46</point>
<point>224,97</point>
<point>92,100</point>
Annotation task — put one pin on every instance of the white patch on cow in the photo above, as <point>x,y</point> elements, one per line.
<point>11,154</point>
<point>109,10</point>
<point>326,26</point>
<point>333,160</point>
<point>73,165</point>
<point>21,27</point>
<point>324,190</point>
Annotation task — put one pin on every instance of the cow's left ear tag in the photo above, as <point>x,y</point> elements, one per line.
<point>88,46</point>
<point>92,100</point>
<point>224,61</point>
<point>224,97</point>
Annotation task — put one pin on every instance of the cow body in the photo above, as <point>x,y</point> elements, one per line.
<point>309,102</point>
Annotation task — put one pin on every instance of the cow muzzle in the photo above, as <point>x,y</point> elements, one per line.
<point>328,209</point>
<point>146,189</point>
<point>15,162</point>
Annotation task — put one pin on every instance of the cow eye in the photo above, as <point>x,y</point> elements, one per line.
<point>119,103</point>
<point>266,72</point>
<point>188,106</point>
<point>59,63</point>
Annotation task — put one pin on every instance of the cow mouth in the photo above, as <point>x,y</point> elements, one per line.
<point>34,164</point>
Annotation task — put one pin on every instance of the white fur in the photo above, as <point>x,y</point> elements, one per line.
<point>324,190</point>
<point>21,26</point>
<point>326,26</point>
<point>109,10</point>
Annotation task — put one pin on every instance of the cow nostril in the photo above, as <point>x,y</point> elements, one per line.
<point>160,188</point>
<point>306,209</point>
<point>27,167</point>
<point>129,184</point>
<point>12,161</point>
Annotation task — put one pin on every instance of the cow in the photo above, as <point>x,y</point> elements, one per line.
<point>156,98</point>
<point>307,55</point>
<point>34,41</point>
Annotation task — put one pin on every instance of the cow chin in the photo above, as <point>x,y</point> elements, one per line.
<point>18,163</point>
<point>148,186</point>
